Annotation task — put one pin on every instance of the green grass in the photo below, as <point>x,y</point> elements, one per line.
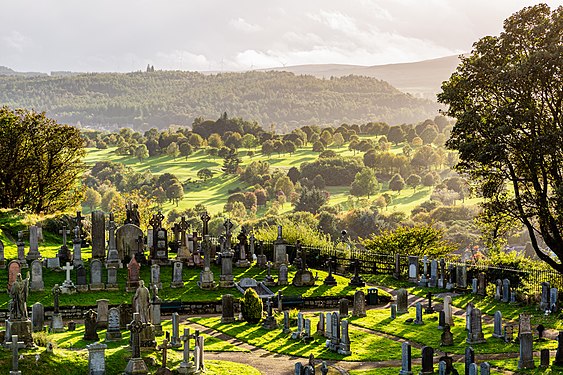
<point>365,346</point>
<point>512,365</point>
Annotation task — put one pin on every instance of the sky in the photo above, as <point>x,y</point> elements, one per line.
<point>227,35</point>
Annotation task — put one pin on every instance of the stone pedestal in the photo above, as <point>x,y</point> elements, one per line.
<point>303,278</point>
<point>136,366</point>
<point>57,324</point>
<point>187,368</point>
<point>21,328</point>
<point>206,280</point>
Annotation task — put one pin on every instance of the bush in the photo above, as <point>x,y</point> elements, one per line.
<point>251,306</point>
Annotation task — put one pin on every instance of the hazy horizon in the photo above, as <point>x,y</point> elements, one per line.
<point>107,36</point>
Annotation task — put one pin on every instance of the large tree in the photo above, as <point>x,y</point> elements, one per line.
<point>507,98</point>
<point>40,162</point>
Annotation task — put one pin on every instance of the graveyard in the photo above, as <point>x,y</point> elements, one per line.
<point>141,306</point>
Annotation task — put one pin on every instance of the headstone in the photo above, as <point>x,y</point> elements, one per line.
<point>553,297</point>
<point>206,280</point>
<point>544,301</point>
<point>77,248</point>
<point>451,277</point>
<point>429,309</point>
<point>461,277</point>
<point>286,327</point>
<point>53,263</point>
<point>184,253</point>
<point>200,353</point>
<point>283,275</point>
<point>186,366</point>
<point>506,290</point>
<point>497,325</point>
<point>96,268</point>
<point>136,365</point>
<point>482,284</point>
<point>175,339</point>
<point>297,334</point>
<point>344,348</point>
<point>448,314</point>
<point>90,323</point>
<point>112,279</point>
<point>526,360</point>
<point>68,286</point>
<point>406,360</point>
<point>498,290</point>
<point>163,369</point>
<point>228,310</point>
<point>423,280</point>
<point>280,249</point>
<point>475,333</point>
<point>343,306</point>
<point>155,276</point>
<point>473,369</point>
<point>37,317</point>
<point>126,237</point>
<point>433,282</point>
<point>321,324</point>
<point>524,324</point>
<point>470,306</point>
<point>328,330</point>
<point>98,235</point>
<point>2,258</point>
<point>112,259</point>
<point>485,368</point>
<point>33,253</point>
<point>418,318</point>
<point>359,309</point>
<point>14,268</point>
<point>413,269</point>
<point>226,279</point>
<point>268,279</point>
<point>544,358</point>
<point>56,324</point>
<point>306,336</point>
<point>96,359</point>
<point>474,285</point>
<point>393,310</point>
<point>15,345</point>
<point>469,358</point>
<point>508,333</point>
<point>397,270</point>
<point>113,333</point>
<point>156,318</point>
<point>71,325</point>
<point>427,361</point>
<point>37,284</point>
<point>81,279</point>
<point>559,354</point>
<point>159,250</point>
<point>442,368</point>
<point>402,301</point>
<point>441,319</point>
<point>446,338</point>
<point>102,311</point>
<point>335,337</point>
<point>442,279</point>
<point>177,281</point>
<point>133,275</point>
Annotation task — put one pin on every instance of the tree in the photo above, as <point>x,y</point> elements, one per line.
<point>141,152</point>
<point>215,140</point>
<point>311,200</point>
<point>396,135</point>
<point>230,162</point>
<point>506,97</point>
<point>396,183</point>
<point>413,181</point>
<point>185,149</point>
<point>175,192</point>
<point>318,146</point>
<point>205,174</point>
<point>173,150</point>
<point>365,183</point>
<point>92,199</point>
<point>40,162</point>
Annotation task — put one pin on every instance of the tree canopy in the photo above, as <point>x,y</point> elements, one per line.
<point>40,162</point>
<point>507,99</point>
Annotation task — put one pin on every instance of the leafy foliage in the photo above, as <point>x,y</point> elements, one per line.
<point>251,306</point>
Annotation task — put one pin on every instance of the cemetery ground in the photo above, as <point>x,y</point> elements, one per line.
<point>375,339</point>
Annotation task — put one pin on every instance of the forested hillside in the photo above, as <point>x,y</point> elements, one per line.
<point>142,100</point>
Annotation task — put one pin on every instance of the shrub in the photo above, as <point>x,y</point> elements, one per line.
<point>251,306</point>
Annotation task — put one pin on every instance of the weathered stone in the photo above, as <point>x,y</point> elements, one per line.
<point>37,284</point>
<point>126,238</point>
<point>113,333</point>
<point>359,309</point>
<point>402,301</point>
<point>37,317</point>
<point>98,235</point>
<point>96,359</point>
<point>96,268</point>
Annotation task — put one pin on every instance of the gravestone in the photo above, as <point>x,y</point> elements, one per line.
<point>446,338</point>
<point>475,333</point>
<point>96,359</point>
<point>442,279</point>
<point>526,360</point>
<point>57,324</point>
<point>206,280</point>
<point>423,280</point>
<point>544,301</point>
<point>199,353</point>
<point>559,354</point>
<point>359,309</point>
<point>37,284</point>
<point>33,253</point>
<point>90,325</point>
<point>427,361</point>
<point>448,314</point>
<point>451,277</point>
<point>81,279</point>
<point>96,268</point>
<point>20,244</point>
<point>442,368</point>
<point>112,279</point>
<point>498,290</point>
<point>136,365</point>
<point>268,279</point>
<point>133,275</point>
<point>98,235</point>
<point>343,304</point>
<point>473,369</point>
<point>68,286</point>
<point>497,325</point>
<point>469,358</point>
<point>226,279</point>
<point>413,269</point>
<point>470,306</point>
<point>112,259</point>
<point>544,358</point>
<point>321,325</point>
<point>159,250</point>
<point>474,285</point>
<point>177,281</point>
<point>418,318</point>
<point>186,366</point>
<point>524,324</point>
<point>406,359</point>
<point>163,369</point>
<point>344,347</point>
<point>113,333</point>
<point>328,330</point>
<point>14,268</point>
<point>156,318</point>
<point>433,282</point>
<point>485,368</point>
<point>2,258</point>
<point>429,309</point>
<point>482,284</point>
<point>280,249</point>
<point>335,337</point>
<point>15,345</point>
<point>126,237</point>
<point>461,277</point>
<point>402,301</point>
<point>228,310</point>
<point>297,334</point>
<point>553,297</point>
<point>125,315</point>
<point>397,270</point>
<point>155,276</point>
<point>393,310</point>
<point>184,253</point>
<point>508,333</point>
<point>305,337</point>
<point>102,311</point>
<point>77,248</point>
<point>37,317</point>
<point>506,290</point>
<point>175,339</point>
<point>286,327</point>
<point>441,319</point>
<point>283,275</point>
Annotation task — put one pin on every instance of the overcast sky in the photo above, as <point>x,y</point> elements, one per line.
<point>126,35</point>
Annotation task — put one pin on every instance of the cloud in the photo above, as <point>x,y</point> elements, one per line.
<point>242,25</point>
<point>15,40</point>
<point>180,59</point>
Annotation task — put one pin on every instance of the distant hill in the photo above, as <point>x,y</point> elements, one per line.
<point>422,78</point>
<point>5,71</point>
<point>158,99</point>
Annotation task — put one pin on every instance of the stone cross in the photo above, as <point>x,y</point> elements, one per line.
<point>205,219</point>
<point>136,326</point>
<point>78,220</point>
<point>64,232</point>
<point>228,226</point>
<point>186,340</point>
<point>15,345</point>
<point>68,268</point>
<point>164,347</point>
<point>184,226</point>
